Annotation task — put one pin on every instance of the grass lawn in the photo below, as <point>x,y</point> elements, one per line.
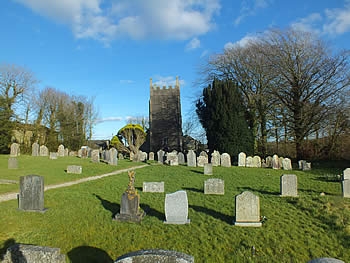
<point>79,218</point>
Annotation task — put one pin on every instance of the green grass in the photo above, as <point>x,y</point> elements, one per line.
<point>79,217</point>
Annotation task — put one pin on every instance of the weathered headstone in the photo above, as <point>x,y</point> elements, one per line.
<point>60,150</point>
<point>66,151</point>
<point>153,187</point>
<point>249,161</point>
<point>130,210</point>
<point>280,161</point>
<point>346,188</point>
<point>84,151</point>
<point>203,153</point>
<point>268,161</point>
<point>191,159</point>
<point>275,162</point>
<point>155,256</point>
<point>215,158</point>
<point>43,151</point>
<point>113,156</point>
<point>172,158</point>
<point>35,149</point>
<point>160,156</point>
<point>325,260</point>
<point>74,169</point>
<point>151,156</point>
<point>214,186</point>
<point>225,160</point>
<point>257,161</point>
<point>15,150</point>
<point>208,169</point>
<point>22,253</point>
<point>306,166</point>
<point>181,158</point>
<point>289,185</point>
<point>346,174</point>
<point>120,156</point>
<point>287,164</point>
<point>12,163</point>
<point>242,159</point>
<point>247,207</point>
<point>201,160</point>
<point>31,193</point>
<point>95,156</point>
<point>53,155</point>
<point>176,208</point>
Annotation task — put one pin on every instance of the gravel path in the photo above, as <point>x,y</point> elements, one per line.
<point>11,196</point>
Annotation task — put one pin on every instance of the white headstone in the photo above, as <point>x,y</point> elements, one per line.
<point>214,186</point>
<point>289,185</point>
<point>201,160</point>
<point>191,159</point>
<point>287,164</point>
<point>153,187</point>
<point>241,159</point>
<point>275,162</point>
<point>215,158</point>
<point>176,208</point>
<point>247,210</point>
<point>225,160</point>
<point>249,162</point>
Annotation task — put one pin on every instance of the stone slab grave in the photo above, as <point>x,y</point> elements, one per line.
<point>12,163</point>
<point>155,256</point>
<point>241,159</point>
<point>153,187</point>
<point>191,159</point>
<point>176,208</point>
<point>31,193</point>
<point>208,169</point>
<point>95,156</point>
<point>23,253</point>
<point>74,169</point>
<point>289,185</point>
<point>214,186</point>
<point>225,160</point>
<point>247,207</point>
<point>130,203</point>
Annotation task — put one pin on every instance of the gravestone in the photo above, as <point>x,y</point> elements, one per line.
<point>201,160</point>
<point>66,152</point>
<point>181,158</point>
<point>15,150</point>
<point>346,174</point>
<point>191,159</point>
<point>151,156</point>
<point>325,260</point>
<point>43,151</point>
<point>172,158</point>
<point>215,158</point>
<point>268,161</point>
<point>113,156</point>
<point>257,161</point>
<point>280,161</point>
<point>176,208</point>
<point>247,210</point>
<point>84,152</point>
<point>249,161</point>
<point>35,149</point>
<point>203,153</point>
<point>275,162</point>
<point>95,156</point>
<point>289,185</point>
<point>346,188</point>
<point>214,186</point>
<point>130,210</point>
<point>31,193</point>
<point>60,150</point>
<point>306,166</point>
<point>153,187</point>
<point>74,169</point>
<point>242,159</point>
<point>12,163</point>
<point>23,253</point>
<point>208,169</point>
<point>160,156</point>
<point>53,155</point>
<point>120,156</point>
<point>287,164</point>
<point>155,256</point>
<point>225,160</point>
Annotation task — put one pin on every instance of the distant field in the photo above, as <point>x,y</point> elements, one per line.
<point>79,217</point>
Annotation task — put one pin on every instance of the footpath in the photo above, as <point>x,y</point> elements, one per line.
<point>11,196</point>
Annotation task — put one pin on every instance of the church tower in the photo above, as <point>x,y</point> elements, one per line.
<point>165,118</point>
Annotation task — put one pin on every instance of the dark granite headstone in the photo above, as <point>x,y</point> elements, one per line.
<point>31,193</point>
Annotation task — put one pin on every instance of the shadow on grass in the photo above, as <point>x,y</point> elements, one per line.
<point>193,189</point>
<point>196,171</point>
<point>112,207</point>
<point>86,254</point>
<point>139,188</point>
<point>8,243</point>
<point>313,192</point>
<point>152,212</point>
<point>261,191</point>
<point>224,218</point>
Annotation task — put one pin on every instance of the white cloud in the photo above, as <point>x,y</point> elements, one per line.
<point>242,42</point>
<point>193,44</point>
<point>250,8</point>
<point>308,23</point>
<point>161,81</point>
<point>338,20</point>
<point>137,19</point>
<point>109,119</point>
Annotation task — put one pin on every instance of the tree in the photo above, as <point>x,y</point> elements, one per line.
<point>308,78</point>
<point>134,136</point>
<point>222,115</point>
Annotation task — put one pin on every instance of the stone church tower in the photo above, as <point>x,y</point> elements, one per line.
<point>165,118</point>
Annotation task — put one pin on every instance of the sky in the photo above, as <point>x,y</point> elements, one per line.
<point>107,50</point>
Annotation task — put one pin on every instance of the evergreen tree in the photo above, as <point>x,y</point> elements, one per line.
<point>6,126</point>
<point>222,115</point>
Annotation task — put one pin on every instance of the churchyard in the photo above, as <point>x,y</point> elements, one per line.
<point>297,225</point>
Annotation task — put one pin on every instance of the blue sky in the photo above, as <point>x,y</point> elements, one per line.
<point>109,49</point>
